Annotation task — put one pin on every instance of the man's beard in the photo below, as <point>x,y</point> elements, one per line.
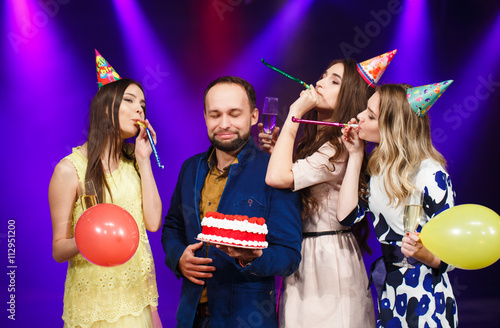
<point>231,146</point>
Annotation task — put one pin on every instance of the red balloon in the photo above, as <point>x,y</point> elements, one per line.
<point>107,235</point>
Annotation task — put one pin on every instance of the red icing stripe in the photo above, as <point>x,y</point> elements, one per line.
<point>235,234</point>
<point>220,216</point>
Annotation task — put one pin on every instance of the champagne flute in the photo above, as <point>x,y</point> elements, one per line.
<point>269,114</point>
<point>411,219</point>
<point>87,193</point>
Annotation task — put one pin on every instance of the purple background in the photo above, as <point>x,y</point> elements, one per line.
<point>175,48</point>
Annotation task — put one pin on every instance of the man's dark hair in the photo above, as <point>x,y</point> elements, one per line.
<point>233,80</point>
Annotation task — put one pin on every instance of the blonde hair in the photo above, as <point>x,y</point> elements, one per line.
<point>405,141</point>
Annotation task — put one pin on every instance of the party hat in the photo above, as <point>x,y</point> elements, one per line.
<point>422,98</point>
<point>372,69</point>
<point>105,73</point>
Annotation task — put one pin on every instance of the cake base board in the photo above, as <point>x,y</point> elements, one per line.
<point>231,245</point>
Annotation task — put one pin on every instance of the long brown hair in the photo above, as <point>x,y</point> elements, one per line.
<point>351,100</point>
<point>405,141</point>
<point>104,130</point>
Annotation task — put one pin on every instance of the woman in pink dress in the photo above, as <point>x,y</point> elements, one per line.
<point>330,287</point>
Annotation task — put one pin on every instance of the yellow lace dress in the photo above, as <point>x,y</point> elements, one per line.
<point>119,296</point>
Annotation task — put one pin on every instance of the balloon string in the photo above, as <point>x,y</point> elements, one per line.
<point>285,74</point>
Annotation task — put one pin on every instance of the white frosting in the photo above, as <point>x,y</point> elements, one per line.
<point>234,225</point>
<point>227,240</point>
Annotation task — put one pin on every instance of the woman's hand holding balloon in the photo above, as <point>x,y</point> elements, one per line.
<point>412,247</point>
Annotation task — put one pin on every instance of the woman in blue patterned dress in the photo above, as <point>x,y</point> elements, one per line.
<point>403,160</point>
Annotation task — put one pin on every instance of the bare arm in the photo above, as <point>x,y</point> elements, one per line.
<point>63,191</point>
<point>279,172</point>
<point>151,202</point>
<point>348,194</point>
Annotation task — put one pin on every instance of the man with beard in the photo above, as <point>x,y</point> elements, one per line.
<point>228,286</point>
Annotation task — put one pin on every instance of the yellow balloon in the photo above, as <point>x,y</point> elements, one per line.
<point>465,236</point>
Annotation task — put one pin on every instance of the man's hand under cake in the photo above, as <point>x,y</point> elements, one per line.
<point>242,254</point>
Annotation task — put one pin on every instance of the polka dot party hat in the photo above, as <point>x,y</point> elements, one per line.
<point>105,73</point>
<point>422,98</point>
<point>372,69</point>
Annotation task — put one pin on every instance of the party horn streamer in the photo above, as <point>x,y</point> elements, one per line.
<point>344,125</point>
<point>285,74</point>
<point>152,144</point>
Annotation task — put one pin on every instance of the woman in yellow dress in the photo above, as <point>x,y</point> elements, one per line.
<point>125,295</point>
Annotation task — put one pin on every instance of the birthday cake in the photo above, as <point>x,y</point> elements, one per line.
<point>233,230</point>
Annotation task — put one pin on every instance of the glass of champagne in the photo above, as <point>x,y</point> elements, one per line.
<point>411,218</point>
<point>269,114</point>
<point>87,193</point>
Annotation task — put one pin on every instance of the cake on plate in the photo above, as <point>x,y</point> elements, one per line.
<point>233,230</point>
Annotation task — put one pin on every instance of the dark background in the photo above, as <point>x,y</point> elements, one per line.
<point>175,48</point>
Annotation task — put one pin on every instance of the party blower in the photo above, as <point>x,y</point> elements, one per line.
<point>152,144</point>
<point>285,74</point>
<point>342,125</point>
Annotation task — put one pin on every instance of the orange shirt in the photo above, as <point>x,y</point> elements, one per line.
<point>215,182</point>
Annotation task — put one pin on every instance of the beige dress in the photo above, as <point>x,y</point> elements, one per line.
<point>330,287</point>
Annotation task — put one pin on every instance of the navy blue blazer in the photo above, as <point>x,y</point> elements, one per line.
<point>237,297</point>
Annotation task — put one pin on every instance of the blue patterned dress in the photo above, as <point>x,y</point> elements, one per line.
<point>421,297</point>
